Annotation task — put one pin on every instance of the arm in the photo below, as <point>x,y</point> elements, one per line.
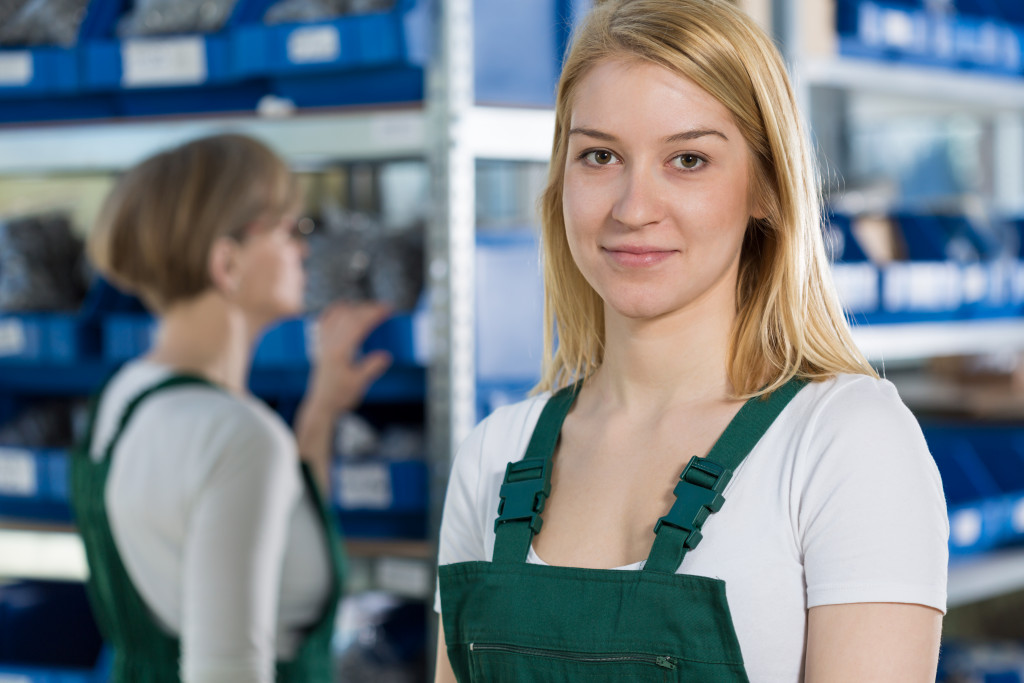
<point>903,641</point>
<point>232,556</point>
<point>338,380</point>
<point>443,673</point>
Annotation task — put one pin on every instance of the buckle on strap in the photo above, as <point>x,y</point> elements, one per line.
<point>526,486</point>
<point>698,494</point>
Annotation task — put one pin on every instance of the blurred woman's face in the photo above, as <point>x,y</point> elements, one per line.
<point>272,278</point>
<point>656,192</point>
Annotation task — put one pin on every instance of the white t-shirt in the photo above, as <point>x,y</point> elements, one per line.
<point>213,523</point>
<point>840,502</point>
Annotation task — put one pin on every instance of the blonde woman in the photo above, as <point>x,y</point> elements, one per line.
<point>212,557</point>
<point>714,484</point>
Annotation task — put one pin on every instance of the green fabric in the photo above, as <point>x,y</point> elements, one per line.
<point>514,622</point>
<point>143,652</point>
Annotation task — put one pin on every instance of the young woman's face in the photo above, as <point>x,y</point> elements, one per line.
<point>272,278</point>
<point>656,194</point>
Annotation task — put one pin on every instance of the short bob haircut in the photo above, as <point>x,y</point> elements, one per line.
<point>156,228</point>
<point>789,321</point>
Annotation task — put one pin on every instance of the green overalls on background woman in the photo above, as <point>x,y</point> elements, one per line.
<point>705,408</point>
<point>211,552</point>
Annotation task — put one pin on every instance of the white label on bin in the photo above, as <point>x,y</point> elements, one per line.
<point>314,45</point>
<point>899,29</point>
<point>364,487</point>
<point>15,68</point>
<point>17,473</point>
<point>1018,517</point>
<point>167,61</point>
<point>12,337</point>
<point>404,576</point>
<point>965,528</point>
<point>857,284</point>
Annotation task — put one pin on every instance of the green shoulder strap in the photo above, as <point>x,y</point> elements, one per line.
<point>527,482</point>
<point>699,490</point>
<point>172,381</point>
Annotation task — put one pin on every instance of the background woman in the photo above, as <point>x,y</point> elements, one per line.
<point>688,287</point>
<point>210,553</point>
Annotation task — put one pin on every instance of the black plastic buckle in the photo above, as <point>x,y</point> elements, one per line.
<point>526,486</point>
<point>698,494</point>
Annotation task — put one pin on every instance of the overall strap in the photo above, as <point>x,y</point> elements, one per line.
<point>700,487</point>
<point>172,381</point>
<point>527,482</point>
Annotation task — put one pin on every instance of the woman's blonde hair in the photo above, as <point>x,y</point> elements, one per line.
<point>155,230</point>
<point>789,321</point>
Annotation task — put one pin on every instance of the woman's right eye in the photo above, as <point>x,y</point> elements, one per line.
<point>599,157</point>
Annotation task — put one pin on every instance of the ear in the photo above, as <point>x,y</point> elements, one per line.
<point>222,265</point>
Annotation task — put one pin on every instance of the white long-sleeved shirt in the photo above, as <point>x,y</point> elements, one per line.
<point>213,524</point>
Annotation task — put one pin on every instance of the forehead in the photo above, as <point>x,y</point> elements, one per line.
<point>620,95</point>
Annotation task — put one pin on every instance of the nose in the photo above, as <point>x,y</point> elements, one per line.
<point>640,200</point>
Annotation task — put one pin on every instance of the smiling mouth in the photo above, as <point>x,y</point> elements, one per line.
<point>630,257</point>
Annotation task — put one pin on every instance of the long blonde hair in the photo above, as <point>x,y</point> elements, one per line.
<point>789,321</point>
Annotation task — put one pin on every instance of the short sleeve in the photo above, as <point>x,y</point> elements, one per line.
<point>462,538</point>
<point>870,511</point>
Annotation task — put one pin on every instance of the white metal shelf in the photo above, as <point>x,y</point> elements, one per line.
<point>967,88</point>
<point>986,576</point>
<point>905,342</point>
<point>304,139</point>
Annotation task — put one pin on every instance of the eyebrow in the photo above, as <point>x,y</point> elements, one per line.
<point>678,137</point>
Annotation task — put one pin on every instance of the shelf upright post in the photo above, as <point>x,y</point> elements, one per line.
<point>451,246</point>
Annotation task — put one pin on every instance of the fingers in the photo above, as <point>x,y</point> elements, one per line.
<point>373,366</point>
<point>352,323</point>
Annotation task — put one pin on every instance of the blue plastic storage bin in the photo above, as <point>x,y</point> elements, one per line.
<point>48,634</point>
<point>46,83</point>
<point>45,339</point>
<point>127,335</point>
<point>381,498</point>
<point>171,74</point>
<point>519,47</point>
<point>983,477</point>
<point>982,38</point>
<point>290,344</point>
<point>857,279</point>
<point>355,59</point>
<point>34,484</point>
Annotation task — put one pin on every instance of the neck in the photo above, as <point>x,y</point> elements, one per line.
<point>207,336</point>
<point>674,360</point>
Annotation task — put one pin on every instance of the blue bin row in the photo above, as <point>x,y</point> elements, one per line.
<point>373,498</point>
<point>34,484</point>
<point>48,635</point>
<point>985,35</point>
<point>355,59</point>
<point>61,339</point>
<point>982,472</point>
<point>951,271</point>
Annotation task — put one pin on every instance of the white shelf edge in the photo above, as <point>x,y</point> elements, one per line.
<point>987,576</point>
<point>58,555</point>
<point>935,83</point>
<point>306,140</point>
<point>918,341</point>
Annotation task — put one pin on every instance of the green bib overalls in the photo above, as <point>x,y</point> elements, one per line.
<point>507,621</point>
<point>144,652</point>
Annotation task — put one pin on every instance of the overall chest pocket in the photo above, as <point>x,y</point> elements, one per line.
<point>505,663</point>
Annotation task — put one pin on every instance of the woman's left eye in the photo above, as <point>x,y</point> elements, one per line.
<point>688,162</point>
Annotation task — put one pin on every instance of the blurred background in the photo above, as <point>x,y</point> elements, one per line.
<point>420,130</point>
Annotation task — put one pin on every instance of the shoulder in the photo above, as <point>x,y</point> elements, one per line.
<point>503,435</point>
<point>216,431</point>
<point>848,403</point>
